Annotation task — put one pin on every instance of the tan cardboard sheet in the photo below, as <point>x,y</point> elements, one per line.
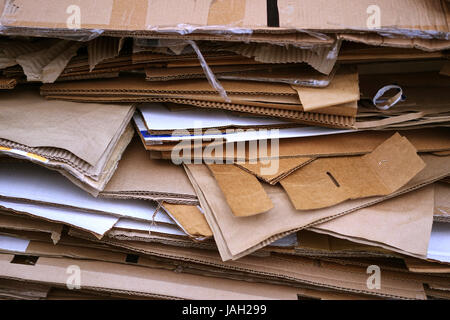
<point>402,224</point>
<point>190,219</point>
<point>237,237</point>
<point>24,223</point>
<point>243,192</point>
<point>137,175</point>
<point>295,270</point>
<point>31,120</point>
<point>137,280</point>
<point>328,181</point>
<point>145,17</point>
<point>343,88</point>
<point>352,143</point>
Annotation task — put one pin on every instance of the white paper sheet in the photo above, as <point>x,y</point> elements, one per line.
<point>237,136</point>
<point>97,223</point>
<point>158,117</point>
<point>32,182</point>
<point>13,244</point>
<point>439,245</point>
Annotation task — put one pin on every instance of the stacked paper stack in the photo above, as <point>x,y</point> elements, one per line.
<point>225,149</point>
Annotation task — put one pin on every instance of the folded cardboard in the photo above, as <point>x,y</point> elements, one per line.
<point>137,176</point>
<point>329,181</point>
<point>285,168</point>
<point>243,192</point>
<point>403,17</point>
<point>402,223</point>
<point>237,237</point>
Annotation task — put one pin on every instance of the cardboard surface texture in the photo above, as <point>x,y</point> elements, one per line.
<point>244,194</point>
<point>329,181</point>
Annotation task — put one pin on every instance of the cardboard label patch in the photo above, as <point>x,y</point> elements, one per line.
<point>328,181</point>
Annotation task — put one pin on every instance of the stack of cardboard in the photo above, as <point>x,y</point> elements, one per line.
<point>283,149</point>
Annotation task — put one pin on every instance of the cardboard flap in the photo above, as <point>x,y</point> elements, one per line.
<point>329,181</point>
<point>285,167</point>
<point>243,192</point>
<point>402,224</point>
<point>190,219</point>
<point>344,88</point>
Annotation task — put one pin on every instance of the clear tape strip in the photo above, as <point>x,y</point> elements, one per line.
<point>386,104</point>
<point>208,72</point>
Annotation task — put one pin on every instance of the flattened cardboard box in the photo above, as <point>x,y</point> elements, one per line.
<point>425,18</point>
<point>329,181</point>
<point>237,237</point>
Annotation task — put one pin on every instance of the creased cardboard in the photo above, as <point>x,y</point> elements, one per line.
<point>16,222</point>
<point>190,218</point>
<point>285,168</point>
<point>342,89</point>
<point>138,175</point>
<point>401,223</point>
<point>31,120</point>
<point>243,192</point>
<point>329,181</point>
<point>236,237</point>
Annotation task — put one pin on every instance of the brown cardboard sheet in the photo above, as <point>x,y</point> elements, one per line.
<point>24,223</point>
<point>403,16</point>
<point>402,224</point>
<point>237,237</point>
<point>190,219</point>
<point>343,88</point>
<point>348,144</point>
<point>30,120</point>
<point>295,270</point>
<point>136,280</point>
<point>138,175</point>
<point>328,181</point>
<point>243,192</point>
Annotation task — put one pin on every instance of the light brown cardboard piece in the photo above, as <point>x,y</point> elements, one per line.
<point>136,280</point>
<point>33,121</point>
<point>285,168</point>
<point>329,181</point>
<point>442,201</point>
<point>244,193</point>
<point>342,89</point>
<point>402,224</point>
<point>103,48</point>
<point>137,175</point>
<point>296,270</point>
<point>190,218</point>
<point>352,143</point>
<point>17,222</point>
<point>143,17</point>
<point>236,237</point>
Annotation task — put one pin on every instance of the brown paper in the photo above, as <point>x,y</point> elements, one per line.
<point>329,181</point>
<point>243,192</point>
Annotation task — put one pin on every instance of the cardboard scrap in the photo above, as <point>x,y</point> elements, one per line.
<point>236,237</point>
<point>342,89</point>
<point>285,168</point>
<point>190,219</point>
<point>329,181</point>
<point>401,224</point>
<point>244,193</point>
